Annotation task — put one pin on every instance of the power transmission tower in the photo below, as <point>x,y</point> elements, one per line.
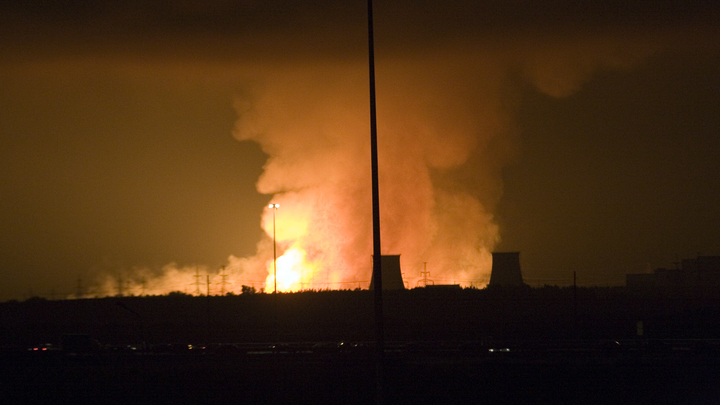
<point>425,274</point>
<point>197,280</point>
<point>223,280</point>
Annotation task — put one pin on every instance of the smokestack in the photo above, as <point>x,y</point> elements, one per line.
<point>506,270</point>
<point>391,275</point>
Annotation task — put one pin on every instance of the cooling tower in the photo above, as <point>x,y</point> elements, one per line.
<point>506,270</point>
<point>391,275</point>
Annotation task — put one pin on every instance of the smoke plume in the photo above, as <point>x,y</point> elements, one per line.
<point>446,129</point>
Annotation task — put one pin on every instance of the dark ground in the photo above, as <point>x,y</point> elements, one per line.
<point>676,376</point>
<point>541,346</point>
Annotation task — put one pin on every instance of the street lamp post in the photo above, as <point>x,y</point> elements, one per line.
<point>274,208</point>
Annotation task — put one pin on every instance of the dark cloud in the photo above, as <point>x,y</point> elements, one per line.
<point>327,28</point>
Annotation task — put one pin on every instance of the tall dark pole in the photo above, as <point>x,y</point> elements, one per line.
<point>575,313</point>
<point>377,270</point>
<point>274,208</point>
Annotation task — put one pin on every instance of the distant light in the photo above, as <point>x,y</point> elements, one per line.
<point>274,206</point>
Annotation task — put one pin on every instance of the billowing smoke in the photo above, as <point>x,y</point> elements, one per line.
<point>313,123</point>
<point>188,279</point>
<point>446,129</point>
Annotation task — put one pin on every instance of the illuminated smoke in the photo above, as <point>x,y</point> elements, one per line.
<point>190,279</point>
<point>445,131</point>
<point>313,123</point>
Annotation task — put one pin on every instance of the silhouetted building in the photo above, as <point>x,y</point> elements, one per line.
<point>695,276</point>
<point>443,287</point>
<point>506,270</point>
<point>391,274</point>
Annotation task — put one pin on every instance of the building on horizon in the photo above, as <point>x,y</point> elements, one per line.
<point>391,273</point>
<point>697,276</point>
<point>506,270</point>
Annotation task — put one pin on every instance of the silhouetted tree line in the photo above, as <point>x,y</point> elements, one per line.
<point>521,314</point>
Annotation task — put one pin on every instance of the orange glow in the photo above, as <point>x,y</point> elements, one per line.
<point>318,173</point>
<point>293,272</point>
<point>292,222</point>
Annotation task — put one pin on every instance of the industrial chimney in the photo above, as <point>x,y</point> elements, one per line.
<point>506,270</point>
<point>391,275</point>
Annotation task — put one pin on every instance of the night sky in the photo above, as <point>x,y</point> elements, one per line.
<point>150,136</point>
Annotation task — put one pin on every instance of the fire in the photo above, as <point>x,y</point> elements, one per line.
<point>288,226</point>
<point>318,170</point>
<point>293,272</point>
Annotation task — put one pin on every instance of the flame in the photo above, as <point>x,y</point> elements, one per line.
<point>293,272</point>
<point>318,171</point>
<point>288,226</point>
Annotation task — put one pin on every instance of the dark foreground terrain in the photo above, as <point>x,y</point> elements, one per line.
<point>526,346</point>
<point>681,372</point>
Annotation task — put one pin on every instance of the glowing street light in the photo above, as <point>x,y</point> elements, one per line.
<point>274,208</point>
